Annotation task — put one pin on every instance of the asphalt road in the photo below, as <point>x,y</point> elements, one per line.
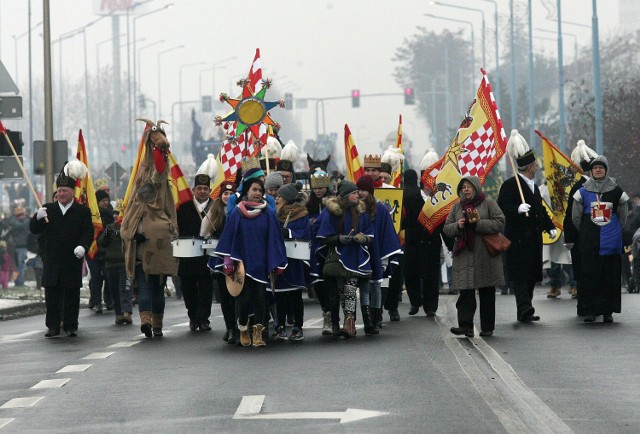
<point>558,375</point>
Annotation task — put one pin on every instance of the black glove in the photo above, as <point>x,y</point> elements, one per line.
<point>345,239</point>
<point>285,233</point>
<point>139,238</point>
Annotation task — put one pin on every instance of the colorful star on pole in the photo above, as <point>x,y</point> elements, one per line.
<point>249,111</point>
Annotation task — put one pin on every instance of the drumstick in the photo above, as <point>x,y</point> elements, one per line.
<point>286,221</point>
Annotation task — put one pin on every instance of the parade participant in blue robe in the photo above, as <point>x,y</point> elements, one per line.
<point>292,212</point>
<point>250,170</point>
<point>345,232</point>
<point>385,245</point>
<point>321,189</point>
<point>252,236</point>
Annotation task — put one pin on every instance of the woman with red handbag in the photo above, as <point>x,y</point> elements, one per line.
<point>473,266</point>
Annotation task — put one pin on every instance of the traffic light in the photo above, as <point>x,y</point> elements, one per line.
<point>142,102</point>
<point>355,98</point>
<point>16,141</point>
<point>409,96</point>
<point>288,101</point>
<point>207,106</point>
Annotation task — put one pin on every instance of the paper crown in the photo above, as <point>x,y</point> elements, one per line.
<point>101,183</point>
<point>372,161</point>
<point>250,163</point>
<point>319,179</point>
<point>118,206</point>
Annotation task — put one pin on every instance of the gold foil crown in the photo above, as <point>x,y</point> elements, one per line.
<point>319,179</point>
<point>372,161</point>
<point>101,182</point>
<point>250,163</point>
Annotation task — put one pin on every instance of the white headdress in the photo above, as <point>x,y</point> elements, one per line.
<point>429,159</point>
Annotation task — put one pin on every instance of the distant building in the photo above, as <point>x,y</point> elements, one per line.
<point>629,11</point>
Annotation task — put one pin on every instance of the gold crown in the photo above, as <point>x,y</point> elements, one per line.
<point>101,182</point>
<point>250,163</point>
<point>372,161</point>
<point>119,205</point>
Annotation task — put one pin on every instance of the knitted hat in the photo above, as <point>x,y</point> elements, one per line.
<point>365,183</point>
<point>289,192</point>
<point>273,180</point>
<point>227,186</point>
<point>583,155</point>
<point>519,149</point>
<point>101,194</point>
<point>251,174</point>
<point>319,179</point>
<point>345,188</point>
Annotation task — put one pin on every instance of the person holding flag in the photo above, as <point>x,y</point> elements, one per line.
<point>68,232</point>
<point>526,218</point>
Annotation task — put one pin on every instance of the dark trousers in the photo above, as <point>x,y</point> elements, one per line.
<point>321,293</point>
<point>227,302</point>
<point>422,276</point>
<point>120,292</point>
<point>197,291</point>
<point>97,283</point>
<point>576,263</point>
<point>523,291</point>
<point>333,299</point>
<point>466,306</point>
<point>390,299</point>
<point>251,299</point>
<point>292,299</point>
<point>63,304</point>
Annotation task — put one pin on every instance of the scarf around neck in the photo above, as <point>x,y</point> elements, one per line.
<point>251,209</point>
<point>294,212</point>
<point>469,231</point>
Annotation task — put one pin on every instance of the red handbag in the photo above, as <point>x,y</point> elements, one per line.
<point>496,243</point>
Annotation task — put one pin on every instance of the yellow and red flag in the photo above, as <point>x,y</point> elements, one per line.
<point>352,158</point>
<point>396,177</point>
<point>85,194</point>
<point>561,173</point>
<point>179,185</point>
<point>477,146</point>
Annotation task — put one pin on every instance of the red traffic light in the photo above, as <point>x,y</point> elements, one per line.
<point>409,97</point>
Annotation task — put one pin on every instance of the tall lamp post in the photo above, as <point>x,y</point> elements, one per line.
<point>473,44</point>
<point>139,56</point>
<point>596,78</point>
<point>514,114</point>
<point>214,66</point>
<point>532,83</point>
<point>177,47</point>
<point>497,38</point>
<point>180,90</point>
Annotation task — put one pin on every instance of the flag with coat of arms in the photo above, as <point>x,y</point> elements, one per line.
<point>477,146</point>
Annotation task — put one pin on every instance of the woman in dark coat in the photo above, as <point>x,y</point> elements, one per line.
<point>473,267</point>
<point>599,212</point>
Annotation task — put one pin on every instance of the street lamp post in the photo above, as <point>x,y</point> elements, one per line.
<point>15,45</point>
<point>473,43</point>
<point>532,84</point>
<point>98,46</point>
<point>180,91</point>
<point>514,119</point>
<point>215,66</point>
<point>136,78</point>
<point>497,89</point>
<point>596,78</point>
<point>564,33</point>
<point>160,77</point>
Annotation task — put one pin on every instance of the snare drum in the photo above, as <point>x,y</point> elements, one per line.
<point>298,249</point>
<point>209,246</point>
<point>187,247</point>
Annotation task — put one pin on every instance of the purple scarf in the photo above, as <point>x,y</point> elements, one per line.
<point>468,237</point>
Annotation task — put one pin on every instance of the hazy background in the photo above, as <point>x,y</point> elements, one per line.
<point>309,48</point>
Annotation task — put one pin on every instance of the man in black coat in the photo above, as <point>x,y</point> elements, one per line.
<point>525,222</point>
<point>68,233</point>
<point>195,277</point>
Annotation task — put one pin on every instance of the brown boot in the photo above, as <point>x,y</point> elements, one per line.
<point>126,318</point>
<point>553,292</point>
<point>245,339</point>
<point>145,323</point>
<point>349,326</point>
<point>257,336</point>
<point>573,292</point>
<point>157,324</point>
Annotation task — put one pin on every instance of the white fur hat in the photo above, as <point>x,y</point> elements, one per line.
<point>429,159</point>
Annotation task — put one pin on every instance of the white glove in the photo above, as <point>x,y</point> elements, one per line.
<point>524,208</point>
<point>42,213</point>
<point>79,252</point>
<point>553,233</point>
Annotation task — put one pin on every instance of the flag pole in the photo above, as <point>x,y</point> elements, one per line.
<point>515,172</point>
<point>24,172</point>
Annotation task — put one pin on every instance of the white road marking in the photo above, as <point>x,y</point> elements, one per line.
<point>251,405</point>
<point>5,421</point>
<point>18,336</point>
<point>311,323</point>
<point>74,368</point>
<point>182,324</point>
<point>51,384</point>
<point>22,402</point>
<point>517,407</point>
<point>95,356</point>
<point>124,344</point>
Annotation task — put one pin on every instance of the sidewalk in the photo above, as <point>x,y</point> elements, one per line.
<point>16,302</point>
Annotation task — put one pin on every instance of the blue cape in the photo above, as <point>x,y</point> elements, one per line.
<point>294,275</point>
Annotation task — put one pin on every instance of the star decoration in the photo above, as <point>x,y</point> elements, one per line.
<point>454,151</point>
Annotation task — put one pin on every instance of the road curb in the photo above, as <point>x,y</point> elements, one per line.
<point>23,310</point>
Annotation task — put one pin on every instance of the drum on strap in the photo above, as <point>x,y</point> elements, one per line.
<point>298,249</point>
<point>187,247</point>
<point>209,246</point>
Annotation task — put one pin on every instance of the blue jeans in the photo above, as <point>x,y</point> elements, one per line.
<point>371,294</point>
<point>555,274</point>
<point>150,292</point>
<point>21,257</point>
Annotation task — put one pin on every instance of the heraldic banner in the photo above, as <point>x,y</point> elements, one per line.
<point>391,198</point>
<point>477,146</point>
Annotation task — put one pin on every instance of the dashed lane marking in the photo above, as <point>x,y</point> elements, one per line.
<point>19,337</point>
<point>22,402</point>
<point>96,356</point>
<point>74,368</point>
<point>51,384</point>
<point>124,344</point>
<point>5,421</point>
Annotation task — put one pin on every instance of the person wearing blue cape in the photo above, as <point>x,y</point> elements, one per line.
<point>292,212</point>
<point>250,170</point>
<point>385,245</point>
<point>251,235</point>
<point>345,233</point>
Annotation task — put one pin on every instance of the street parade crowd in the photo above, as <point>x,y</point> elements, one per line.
<point>263,240</point>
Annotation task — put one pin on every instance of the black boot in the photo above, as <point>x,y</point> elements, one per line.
<point>376,317</point>
<point>369,327</point>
